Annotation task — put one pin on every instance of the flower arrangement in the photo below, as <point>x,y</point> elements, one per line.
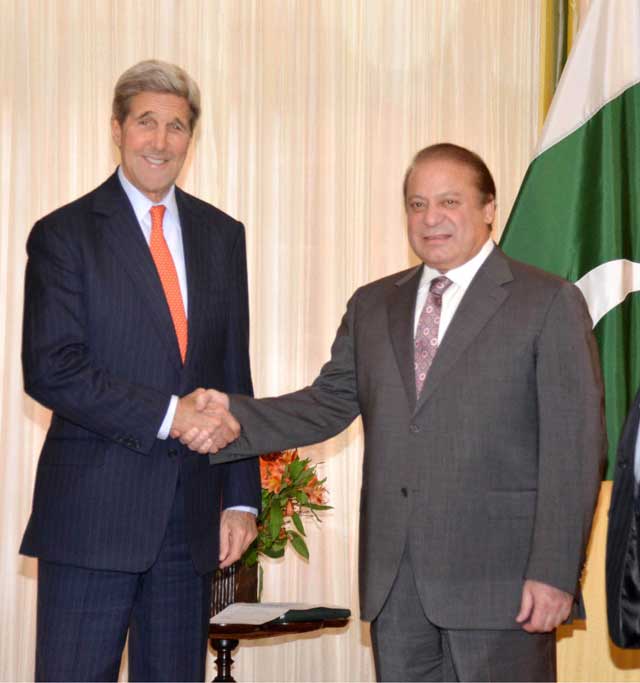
<point>290,490</point>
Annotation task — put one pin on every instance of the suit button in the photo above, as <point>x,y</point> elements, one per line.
<point>172,452</point>
<point>403,491</point>
<point>414,429</point>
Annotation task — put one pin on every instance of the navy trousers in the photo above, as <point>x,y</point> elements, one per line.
<point>84,615</point>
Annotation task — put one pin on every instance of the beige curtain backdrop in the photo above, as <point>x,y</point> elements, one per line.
<point>311,112</point>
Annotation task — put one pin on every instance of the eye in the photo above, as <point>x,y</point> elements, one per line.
<point>449,203</point>
<point>416,205</point>
<point>176,125</point>
<point>144,122</point>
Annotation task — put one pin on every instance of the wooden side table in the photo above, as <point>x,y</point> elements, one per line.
<point>224,638</point>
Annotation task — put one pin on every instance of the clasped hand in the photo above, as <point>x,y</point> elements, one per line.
<point>203,422</point>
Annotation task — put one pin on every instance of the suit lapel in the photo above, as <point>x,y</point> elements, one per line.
<point>124,236</point>
<point>627,443</point>
<point>195,263</point>
<point>401,306</point>
<point>482,299</point>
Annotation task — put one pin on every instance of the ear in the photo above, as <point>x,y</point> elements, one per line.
<point>116,131</point>
<point>489,211</point>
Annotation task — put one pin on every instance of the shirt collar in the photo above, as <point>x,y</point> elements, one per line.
<point>462,275</point>
<point>141,203</point>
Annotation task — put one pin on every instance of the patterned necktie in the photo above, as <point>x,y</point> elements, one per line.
<point>426,341</point>
<point>168,277</point>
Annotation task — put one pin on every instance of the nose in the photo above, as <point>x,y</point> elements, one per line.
<point>160,138</point>
<point>432,215</point>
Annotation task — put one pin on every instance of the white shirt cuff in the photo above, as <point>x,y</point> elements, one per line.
<point>244,508</point>
<point>165,427</point>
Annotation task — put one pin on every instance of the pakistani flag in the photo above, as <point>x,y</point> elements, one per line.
<point>578,210</point>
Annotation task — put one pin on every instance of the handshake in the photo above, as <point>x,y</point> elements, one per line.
<point>203,423</point>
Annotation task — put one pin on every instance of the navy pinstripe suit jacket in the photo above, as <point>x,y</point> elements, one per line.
<point>623,557</point>
<point>100,351</point>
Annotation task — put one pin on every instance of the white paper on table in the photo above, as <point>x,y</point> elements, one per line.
<point>256,613</point>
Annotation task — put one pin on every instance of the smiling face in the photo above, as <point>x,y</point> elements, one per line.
<point>448,218</point>
<point>153,141</point>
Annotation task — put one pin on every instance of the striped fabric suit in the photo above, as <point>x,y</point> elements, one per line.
<point>623,556</point>
<point>100,350</point>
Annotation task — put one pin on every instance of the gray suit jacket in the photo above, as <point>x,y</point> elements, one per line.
<point>491,476</point>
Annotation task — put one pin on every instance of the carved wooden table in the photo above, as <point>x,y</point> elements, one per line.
<point>224,638</point>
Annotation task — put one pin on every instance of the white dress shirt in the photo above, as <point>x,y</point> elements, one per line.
<point>461,279</point>
<point>173,236</point>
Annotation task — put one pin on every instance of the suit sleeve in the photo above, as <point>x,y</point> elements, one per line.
<point>303,417</point>
<point>571,441</point>
<point>57,365</point>
<point>241,480</point>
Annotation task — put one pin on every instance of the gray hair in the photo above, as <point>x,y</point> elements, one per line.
<point>152,75</point>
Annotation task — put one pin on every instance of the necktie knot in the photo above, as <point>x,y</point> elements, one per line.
<point>439,285</point>
<point>157,214</point>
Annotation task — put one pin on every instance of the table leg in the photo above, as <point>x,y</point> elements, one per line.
<point>224,647</point>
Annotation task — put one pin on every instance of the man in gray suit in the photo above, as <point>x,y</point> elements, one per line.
<point>478,382</point>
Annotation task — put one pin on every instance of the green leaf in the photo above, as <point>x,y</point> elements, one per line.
<point>305,477</point>
<point>302,497</point>
<point>250,556</point>
<point>299,545</point>
<point>274,552</point>
<point>297,522</point>
<point>280,544</point>
<point>285,494</point>
<point>295,468</point>
<point>315,506</point>
<point>275,521</point>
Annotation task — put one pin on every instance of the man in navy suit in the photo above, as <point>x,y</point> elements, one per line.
<point>623,537</point>
<point>136,296</point>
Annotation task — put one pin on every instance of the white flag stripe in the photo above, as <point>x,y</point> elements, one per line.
<point>608,285</point>
<point>603,63</point>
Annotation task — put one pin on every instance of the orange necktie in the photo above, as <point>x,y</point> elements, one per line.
<point>169,277</point>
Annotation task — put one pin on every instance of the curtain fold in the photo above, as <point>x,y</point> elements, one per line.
<point>311,113</point>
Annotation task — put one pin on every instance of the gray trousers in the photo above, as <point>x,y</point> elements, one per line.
<point>409,647</point>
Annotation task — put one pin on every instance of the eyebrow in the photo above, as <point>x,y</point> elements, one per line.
<point>149,112</point>
<point>449,193</point>
<point>446,193</point>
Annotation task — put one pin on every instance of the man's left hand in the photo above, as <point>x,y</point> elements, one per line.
<point>543,607</point>
<point>237,531</point>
